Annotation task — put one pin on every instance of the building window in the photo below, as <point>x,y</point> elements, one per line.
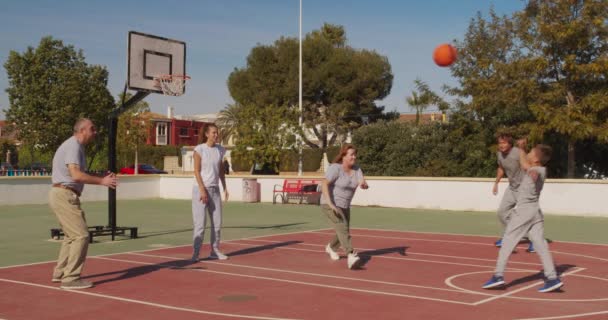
<point>183,132</point>
<point>161,134</point>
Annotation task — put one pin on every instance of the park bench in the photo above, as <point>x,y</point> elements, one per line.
<point>298,189</point>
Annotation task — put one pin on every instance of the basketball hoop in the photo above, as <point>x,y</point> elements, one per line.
<point>172,84</point>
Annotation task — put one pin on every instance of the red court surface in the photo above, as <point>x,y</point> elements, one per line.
<point>407,275</point>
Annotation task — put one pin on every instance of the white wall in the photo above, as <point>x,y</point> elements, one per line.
<point>34,190</point>
<point>571,197</point>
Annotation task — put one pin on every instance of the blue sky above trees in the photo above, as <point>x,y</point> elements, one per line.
<point>220,34</point>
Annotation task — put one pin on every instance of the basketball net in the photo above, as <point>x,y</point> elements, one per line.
<point>172,84</point>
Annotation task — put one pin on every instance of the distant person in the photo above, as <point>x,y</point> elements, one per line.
<point>527,218</point>
<point>341,181</point>
<point>226,166</point>
<point>508,164</point>
<point>69,177</point>
<point>206,199</point>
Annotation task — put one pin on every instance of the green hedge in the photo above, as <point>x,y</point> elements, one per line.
<point>154,155</point>
<point>311,161</point>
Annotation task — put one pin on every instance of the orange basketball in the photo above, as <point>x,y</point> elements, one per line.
<point>444,55</point>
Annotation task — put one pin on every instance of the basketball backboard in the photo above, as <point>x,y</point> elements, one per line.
<point>151,56</point>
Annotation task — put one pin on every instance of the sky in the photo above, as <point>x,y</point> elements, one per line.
<point>219,35</point>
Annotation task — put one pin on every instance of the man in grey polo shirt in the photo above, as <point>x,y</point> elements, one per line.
<point>508,163</point>
<point>68,179</point>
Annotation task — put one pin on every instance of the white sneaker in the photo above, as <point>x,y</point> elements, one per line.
<point>332,254</point>
<point>218,255</point>
<point>353,261</point>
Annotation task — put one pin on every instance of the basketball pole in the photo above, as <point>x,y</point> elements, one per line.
<point>113,128</point>
<point>301,140</point>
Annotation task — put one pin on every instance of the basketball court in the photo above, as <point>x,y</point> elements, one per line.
<point>406,275</point>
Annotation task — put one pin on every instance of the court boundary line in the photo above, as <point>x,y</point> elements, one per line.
<point>297,282</point>
<point>567,316</point>
<point>448,282</point>
<point>413,253</point>
<point>312,274</point>
<point>147,303</point>
<point>463,242</point>
<point>153,249</point>
<point>535,284</point>
<point>475,235</point>
<point>406,259</point>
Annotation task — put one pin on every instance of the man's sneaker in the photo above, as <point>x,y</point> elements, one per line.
<point>56,277</point>
<point>494,282</point>
<point>76,284</point>
<point>551,285</point>
<point>353,261</point>
<point>332,254</point>
<point>218,255</point>
<point>498,243</point>
<point>531,248</point>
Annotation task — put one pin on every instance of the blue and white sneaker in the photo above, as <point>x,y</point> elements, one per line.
<point>531,248</point>
<point>494,282</point>
<point>551,285</point>
<point>498,243</point>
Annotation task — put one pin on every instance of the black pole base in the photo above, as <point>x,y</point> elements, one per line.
<point>57,234</point>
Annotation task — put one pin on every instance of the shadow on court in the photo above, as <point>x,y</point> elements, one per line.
<point>366,256</point>
<point>255,249</point>
<point>142,270</point>
<point>253,227</point>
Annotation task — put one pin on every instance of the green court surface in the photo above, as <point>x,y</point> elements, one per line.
<point>25,229</point>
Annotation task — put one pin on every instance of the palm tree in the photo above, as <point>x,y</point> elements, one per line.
<point>228,121</point>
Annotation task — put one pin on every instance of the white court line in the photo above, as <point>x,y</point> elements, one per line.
<point>471,235</point>
<point>155,249</point>
<point>158,305</point>
<point>461,242</point>
<point>523,289</point>
<point>309,273</point>
<point>313,284</point>
<point>570,316</point>
<point>407,253</point>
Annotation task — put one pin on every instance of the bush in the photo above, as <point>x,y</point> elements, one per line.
<point>148,154</point>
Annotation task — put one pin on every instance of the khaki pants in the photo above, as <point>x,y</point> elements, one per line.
<point>66,206</point>
<point>341,223</point>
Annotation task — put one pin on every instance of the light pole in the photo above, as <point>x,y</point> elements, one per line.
<point>301,140</point>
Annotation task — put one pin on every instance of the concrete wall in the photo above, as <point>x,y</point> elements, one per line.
<point>571,197</point>
<point>34,190</point>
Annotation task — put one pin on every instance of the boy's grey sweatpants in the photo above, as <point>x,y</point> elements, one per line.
<point>526,218</point>
<point>199,216</point>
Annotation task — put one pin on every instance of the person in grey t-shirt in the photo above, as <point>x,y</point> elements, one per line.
<point>69,178</point>
<point>508,164</point>
<point>341,181</point>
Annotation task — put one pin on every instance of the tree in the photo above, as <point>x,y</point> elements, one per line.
<point>568,46</point>
<point>50,87</point>
<point>540,72</point>
<point>424,97</point>
<point>133,127</point>
<point>340,83</point>
<point>228,121</point>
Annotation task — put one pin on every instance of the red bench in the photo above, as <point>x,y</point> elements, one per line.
<point>299,189</point>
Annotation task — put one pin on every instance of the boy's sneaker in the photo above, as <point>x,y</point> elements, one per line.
<point>494,282</point>
<point>353,261</point>
<point>531,248</point>
<point>218,255</point>
<point>332,254</point>
<point>76,284</point>
<point>498,243</point>
<point>551,285</point>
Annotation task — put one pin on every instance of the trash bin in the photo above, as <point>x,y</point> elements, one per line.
<point>251,190</point>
